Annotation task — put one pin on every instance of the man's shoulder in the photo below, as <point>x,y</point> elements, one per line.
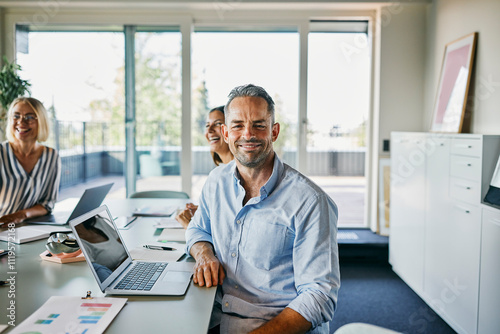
<point>292,177</point>
<point>220,175</point>
<point>221,170</point>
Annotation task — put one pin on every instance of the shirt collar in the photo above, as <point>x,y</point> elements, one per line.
<point>271,184</point>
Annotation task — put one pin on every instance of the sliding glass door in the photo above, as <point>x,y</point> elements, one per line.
<point>337,117</point>
<point>158,108</point>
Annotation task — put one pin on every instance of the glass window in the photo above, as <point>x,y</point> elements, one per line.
<point>79,77</point>
<point>158,109</point>
<point>337,113</point>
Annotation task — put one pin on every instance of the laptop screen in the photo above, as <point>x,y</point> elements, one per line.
<point>100,243</point>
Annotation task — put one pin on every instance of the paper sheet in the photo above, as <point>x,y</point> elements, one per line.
<point>172,234</point>
<point>74,315</point>
<point>28,233</point>
<point>144,254</point>
<point>155,211</point>
<point>167,223</point>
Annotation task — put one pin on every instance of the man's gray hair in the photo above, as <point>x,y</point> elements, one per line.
<point>250,90</point>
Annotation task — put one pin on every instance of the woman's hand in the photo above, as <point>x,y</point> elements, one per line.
<point>16,217</point>
<point>185,216</point>
<point>22,215</point>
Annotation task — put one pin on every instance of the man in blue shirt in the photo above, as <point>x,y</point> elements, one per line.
<point>264,232</point>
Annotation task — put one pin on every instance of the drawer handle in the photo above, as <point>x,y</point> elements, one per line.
<point>467,164</point>
<point>464,146</point>
<point>462,186</point>
<point>462,208</point>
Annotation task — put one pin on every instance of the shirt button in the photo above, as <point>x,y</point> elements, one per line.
<point>227,304</point>
<point>236,286</point>
<point>233,254</point>
<point>238,221</point>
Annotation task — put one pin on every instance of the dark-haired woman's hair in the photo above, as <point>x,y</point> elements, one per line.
<point>215,157</point>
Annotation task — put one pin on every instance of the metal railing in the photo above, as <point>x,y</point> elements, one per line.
<point>89,150</point>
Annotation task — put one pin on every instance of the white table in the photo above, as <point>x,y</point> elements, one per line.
<point>37,280</point>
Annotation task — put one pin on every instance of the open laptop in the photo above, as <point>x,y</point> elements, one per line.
<point>91,199</point>
<point>113,267</point>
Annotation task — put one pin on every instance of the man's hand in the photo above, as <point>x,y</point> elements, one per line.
<point>208,271</point>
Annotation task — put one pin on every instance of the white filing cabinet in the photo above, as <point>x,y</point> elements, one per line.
<point>489,286</point>
<point>435,242</point>
<point>459,296</point>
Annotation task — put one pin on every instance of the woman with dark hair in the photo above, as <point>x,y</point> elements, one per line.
<point>29,171</point>
<point>218,149</point>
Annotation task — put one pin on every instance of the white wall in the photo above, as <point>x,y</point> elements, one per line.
<point>401,79</point>
<point>402,69</point>
<point>449,20</point>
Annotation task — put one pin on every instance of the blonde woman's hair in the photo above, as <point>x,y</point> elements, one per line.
<point>41,114</point>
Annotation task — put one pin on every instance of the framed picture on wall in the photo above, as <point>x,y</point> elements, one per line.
<point>450,106</point>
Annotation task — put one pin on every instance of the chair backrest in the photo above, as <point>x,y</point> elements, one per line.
<point>159,194</point>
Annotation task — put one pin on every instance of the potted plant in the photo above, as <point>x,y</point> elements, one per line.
<point>11,87</point>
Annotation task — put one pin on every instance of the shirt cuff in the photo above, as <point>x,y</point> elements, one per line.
<point>193,237</point>
<point>315,307</point>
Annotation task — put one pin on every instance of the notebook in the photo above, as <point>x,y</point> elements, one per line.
<point>91,199</point>
<point>112,265</point>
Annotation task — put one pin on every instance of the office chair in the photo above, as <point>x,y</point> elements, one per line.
<point>361,328</point>
<point>159,194</point>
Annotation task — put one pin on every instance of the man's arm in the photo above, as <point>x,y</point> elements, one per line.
<point>288,321</point>
<point>208,271</point>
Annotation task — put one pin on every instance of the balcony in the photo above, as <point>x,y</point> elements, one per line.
<point>89,159</point>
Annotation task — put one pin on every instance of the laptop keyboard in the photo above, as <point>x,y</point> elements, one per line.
<point>142,276</point>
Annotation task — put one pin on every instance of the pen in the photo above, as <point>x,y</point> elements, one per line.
<point>132,219</point>
<point>159,247</point>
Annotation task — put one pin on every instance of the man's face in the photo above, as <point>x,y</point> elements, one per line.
<point>249,131</point>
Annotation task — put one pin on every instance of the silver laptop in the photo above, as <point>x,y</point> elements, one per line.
<point>92,198</point>
<point>113,268</point>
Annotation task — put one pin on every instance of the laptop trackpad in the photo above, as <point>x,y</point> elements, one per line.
<point>177,276</point>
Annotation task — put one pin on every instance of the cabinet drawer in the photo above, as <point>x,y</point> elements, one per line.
<point>466,146</point>
<point>466,213</point>
<point>465,190</point>
<point>466,167</point>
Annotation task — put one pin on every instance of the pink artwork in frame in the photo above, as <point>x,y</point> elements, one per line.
<point>450,106</point>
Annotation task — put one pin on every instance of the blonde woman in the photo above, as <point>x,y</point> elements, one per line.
<point>29,171</point>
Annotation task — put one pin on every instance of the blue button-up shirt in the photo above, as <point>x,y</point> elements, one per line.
<point>278,250</point>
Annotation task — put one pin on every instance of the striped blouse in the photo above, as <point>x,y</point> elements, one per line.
<point>20,190</point>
